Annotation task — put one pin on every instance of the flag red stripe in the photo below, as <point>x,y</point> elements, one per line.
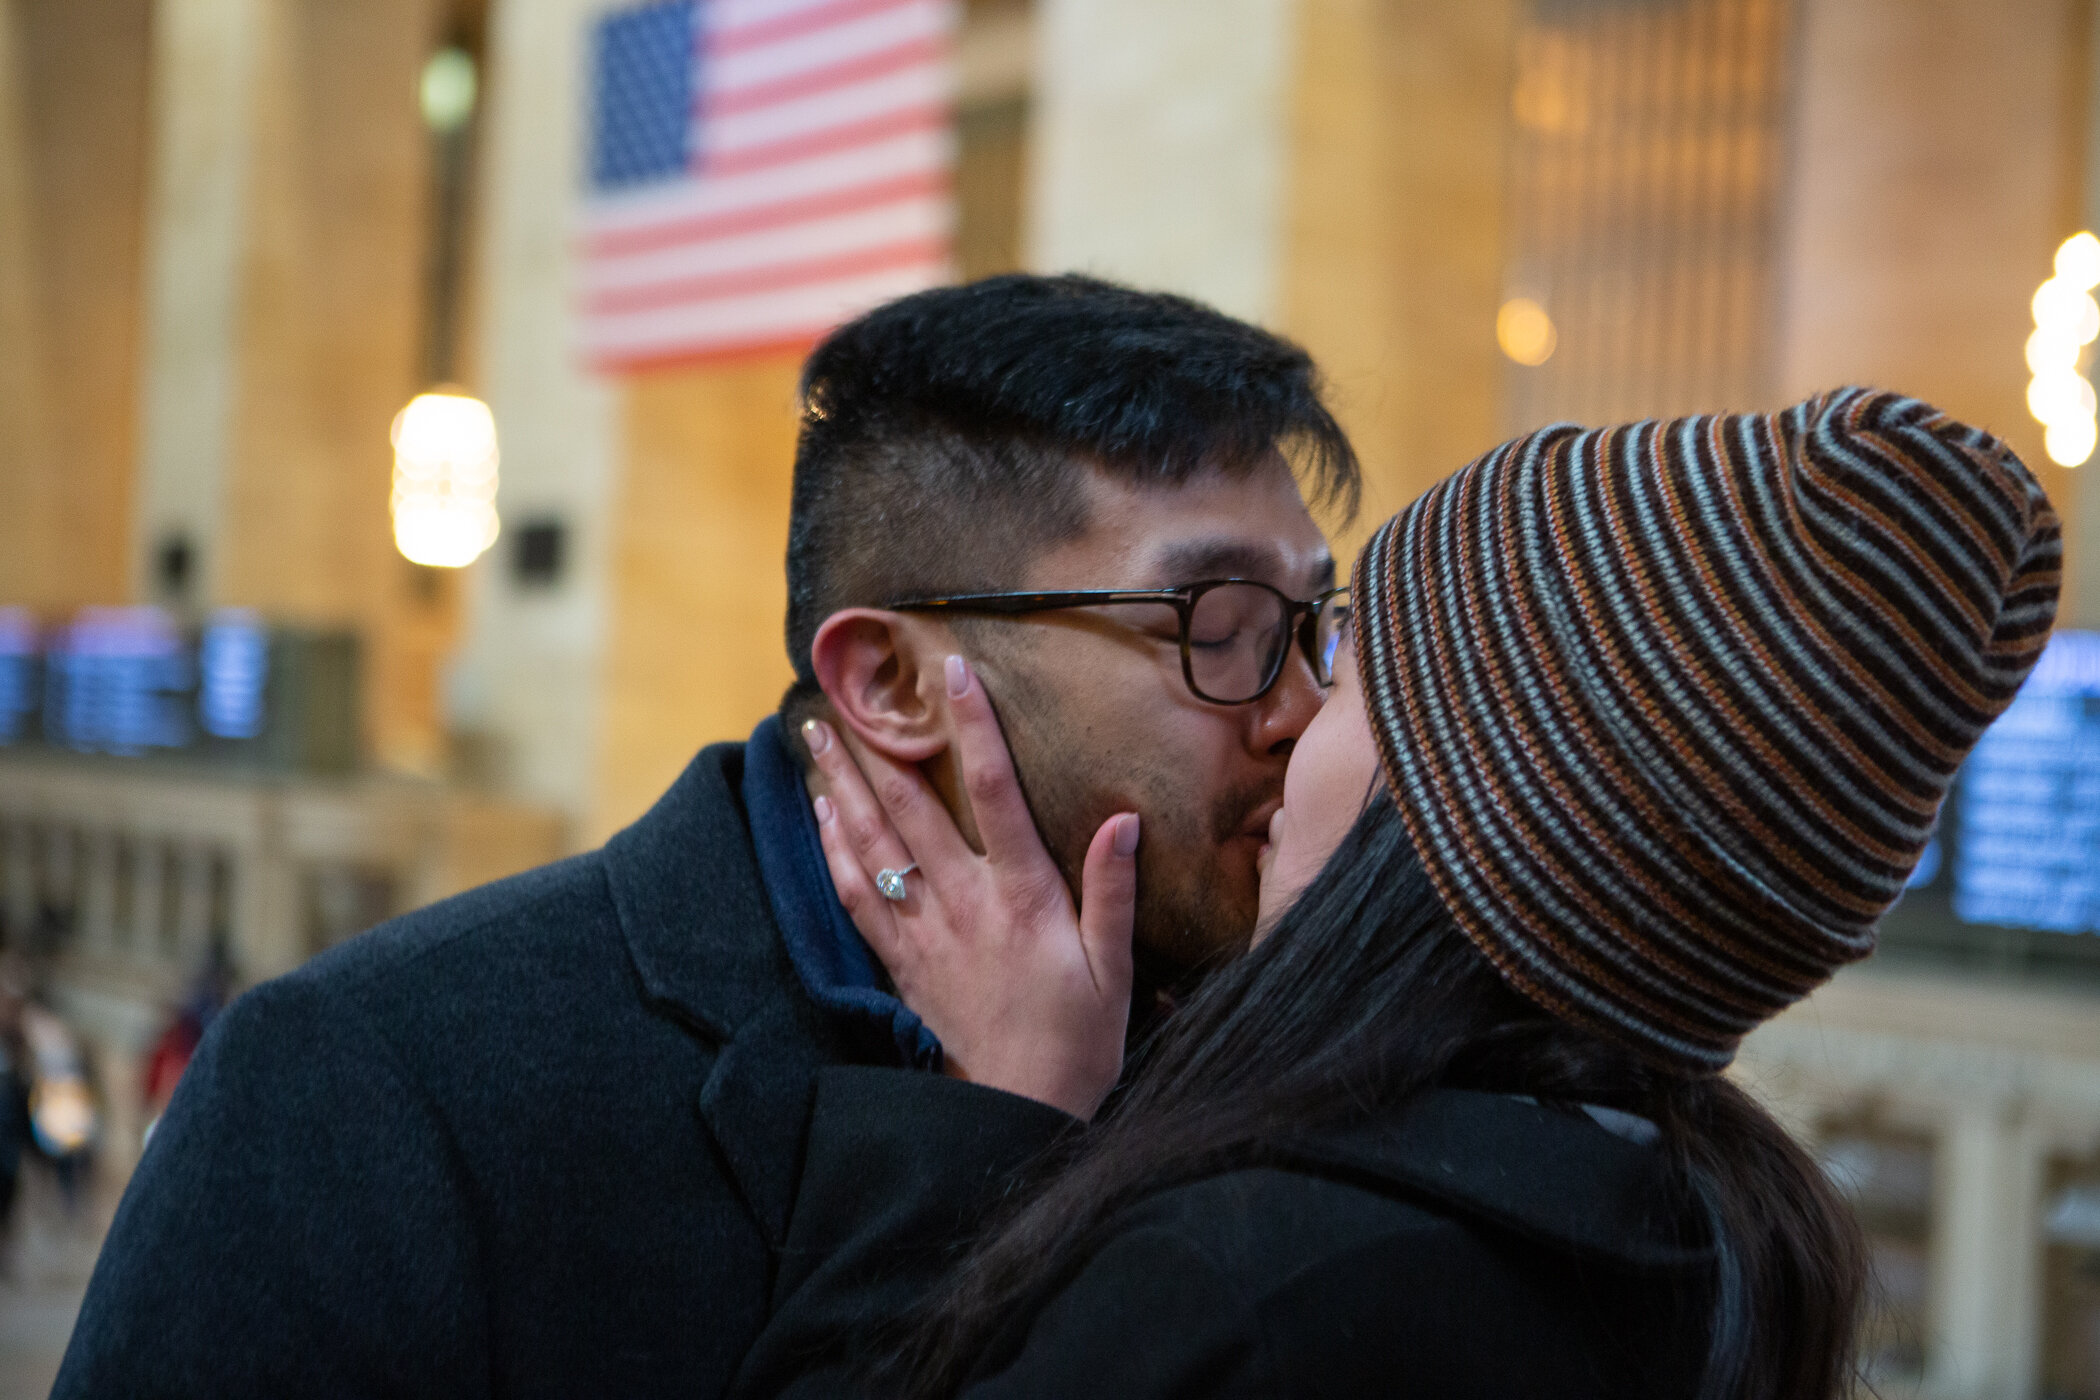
<point>852,70</point>
<point>825,141</point>
<point>764,216</point>
<point>770,342</point>
<point>767,279</point>
<point>768,31</point>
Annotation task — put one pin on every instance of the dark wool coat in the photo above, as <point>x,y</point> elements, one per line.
<point>1470,1245</point>
<point>538,1140</point>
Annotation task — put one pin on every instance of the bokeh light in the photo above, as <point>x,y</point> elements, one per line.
<point>1525,332</point>
<point>444,480</point>
<point>2066,319</point>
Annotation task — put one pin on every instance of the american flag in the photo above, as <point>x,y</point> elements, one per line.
<point>761,170</point>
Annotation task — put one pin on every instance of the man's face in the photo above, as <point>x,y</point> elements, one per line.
<point>1100,720</point>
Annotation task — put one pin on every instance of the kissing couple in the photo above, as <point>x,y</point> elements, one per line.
<point>1434,909</point>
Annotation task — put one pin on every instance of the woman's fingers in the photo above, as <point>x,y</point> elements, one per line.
<point>861,822</point>
<point>915,811</point>
<point>1108,904</point>
<point>869,911</point>
<point>1003,820</point>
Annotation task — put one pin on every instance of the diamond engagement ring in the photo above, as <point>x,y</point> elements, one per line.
<point>891,882</point>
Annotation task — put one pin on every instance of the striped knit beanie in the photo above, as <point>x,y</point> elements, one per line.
<point>1669,709</point>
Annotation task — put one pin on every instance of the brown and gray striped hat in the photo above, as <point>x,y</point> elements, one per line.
<point>1670,708</point>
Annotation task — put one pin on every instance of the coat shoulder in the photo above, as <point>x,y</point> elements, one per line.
<point>1273,1223</point>
<point>1352,1286</point>
<point>554,908</point>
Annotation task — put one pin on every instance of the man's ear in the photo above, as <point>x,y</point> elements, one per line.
<point>884,675</point>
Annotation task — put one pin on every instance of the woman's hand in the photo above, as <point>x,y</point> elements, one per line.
<point>1026,993</point>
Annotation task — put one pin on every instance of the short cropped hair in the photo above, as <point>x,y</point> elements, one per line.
<point>945,436</point>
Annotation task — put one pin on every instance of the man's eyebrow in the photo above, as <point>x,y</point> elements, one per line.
<point>1192,561</point>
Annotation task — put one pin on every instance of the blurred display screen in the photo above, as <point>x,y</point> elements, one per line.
<point>117,681</point>
<point>2014,872</point>
<point>18,669</point>
<point>133,681</point>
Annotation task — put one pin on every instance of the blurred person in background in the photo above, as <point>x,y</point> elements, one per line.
<point>543,1138</point>
<point>1644,731</point>
<point>63,1116</point>
<point>177,1043</point>
<point>14,1084</point>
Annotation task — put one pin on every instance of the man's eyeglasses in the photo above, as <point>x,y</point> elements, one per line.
<point>1236,633</point>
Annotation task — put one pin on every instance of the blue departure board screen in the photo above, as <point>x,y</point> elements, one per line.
<point>18,673</point>
<point>2014,872</point>
<point>131,681</point>
<point>227,689</point>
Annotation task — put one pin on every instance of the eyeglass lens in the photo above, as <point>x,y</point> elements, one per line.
<point>1327,636</point>
<point>1239,633</point>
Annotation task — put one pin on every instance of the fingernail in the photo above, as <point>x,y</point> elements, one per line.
<point>823,806</point>
<point>816,735</point>
<point>1126,837</point>
<point>958,675</point>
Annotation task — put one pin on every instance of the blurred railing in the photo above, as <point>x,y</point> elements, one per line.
<point>124,878</point>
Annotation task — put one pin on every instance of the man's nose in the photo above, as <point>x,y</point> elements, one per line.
<point>1282,714</point>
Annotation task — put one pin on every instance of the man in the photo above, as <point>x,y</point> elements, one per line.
<point>543,1139</point>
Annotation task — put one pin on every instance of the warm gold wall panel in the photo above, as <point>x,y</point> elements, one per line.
<point>1647,172</point>
<point>1936,169</point>
<point>1394,230</point>
<point>698,587</point>
<point>77,89</point>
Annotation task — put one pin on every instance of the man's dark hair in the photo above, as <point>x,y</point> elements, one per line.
<point>945,436</point>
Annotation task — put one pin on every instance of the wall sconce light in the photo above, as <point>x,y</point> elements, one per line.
<point>2066,320</point>
<point>444,479</point>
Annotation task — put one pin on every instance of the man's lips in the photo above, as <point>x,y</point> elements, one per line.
<point>1268,843</point>
<point>1257,827</point>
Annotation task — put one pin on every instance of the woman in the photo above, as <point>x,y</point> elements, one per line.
<point>1646,729</point>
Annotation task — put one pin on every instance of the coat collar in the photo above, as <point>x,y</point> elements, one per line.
<point>837,968</point>
<point>686,886</point>
<point>691,903</point>
<point>1548,1174</point>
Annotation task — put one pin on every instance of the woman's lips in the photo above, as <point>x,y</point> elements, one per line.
<point>1268,847</point>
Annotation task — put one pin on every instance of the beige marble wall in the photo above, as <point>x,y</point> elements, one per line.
<point>527,682</point>
<point>1159,149</point>
<point>206,56</point>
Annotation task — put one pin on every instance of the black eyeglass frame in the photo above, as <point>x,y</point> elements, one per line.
<point>1301,619</point>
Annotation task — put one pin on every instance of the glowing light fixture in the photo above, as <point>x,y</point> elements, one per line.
<point>444,479</point>
<point>1525,332</point>
<point>2066,320</point>
<point>448,89</point>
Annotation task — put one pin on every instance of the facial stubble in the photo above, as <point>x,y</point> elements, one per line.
<point>1193,908</point>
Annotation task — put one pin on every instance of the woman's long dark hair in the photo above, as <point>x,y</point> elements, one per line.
<point>1365,994</point>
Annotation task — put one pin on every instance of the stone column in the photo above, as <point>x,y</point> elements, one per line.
<point>204,91</point>
<point>1161,142</point>
<point>1985,1308</point>
<point>98,893</point>
<point>268,936</point>
<point>528,677</point>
